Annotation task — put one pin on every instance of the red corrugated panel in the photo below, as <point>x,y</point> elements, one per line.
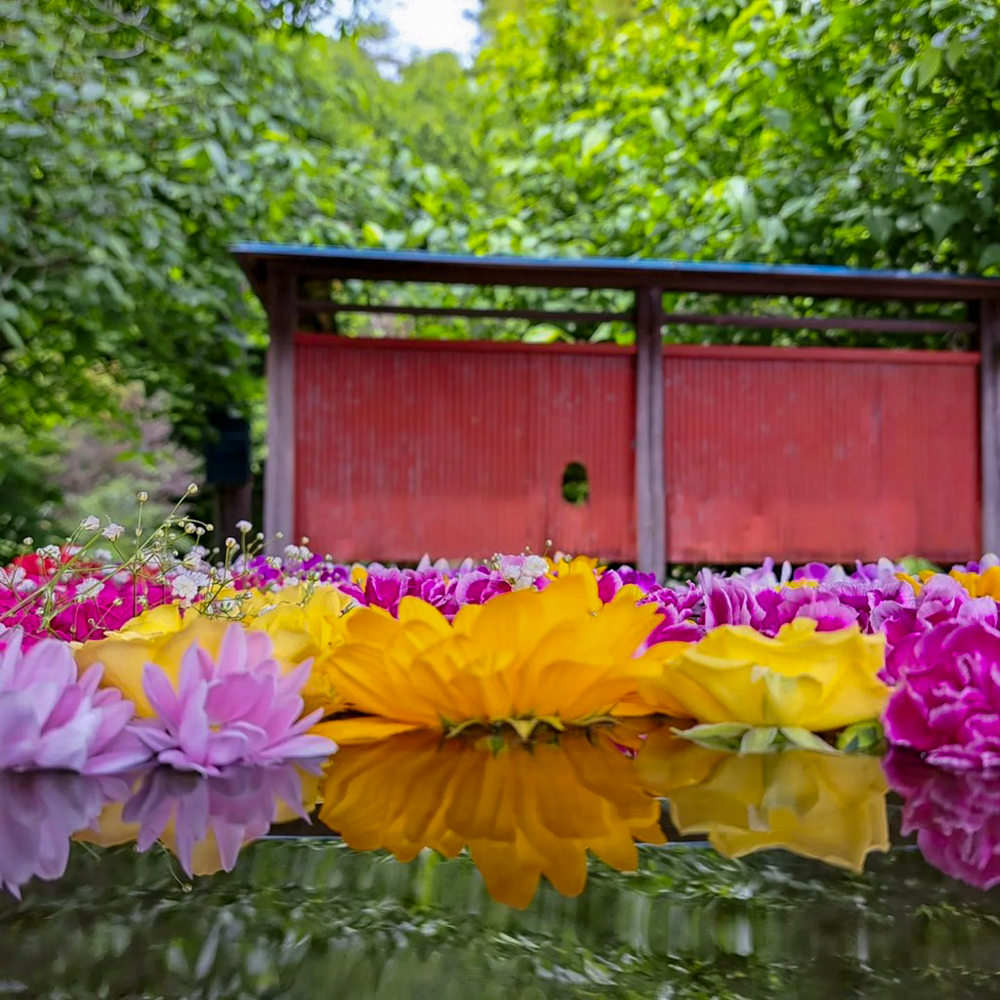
<point>820,454</point>
<point>407,447</point>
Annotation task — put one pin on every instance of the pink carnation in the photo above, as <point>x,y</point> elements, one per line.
<point>947,703</point>
<point>50,718</point>
<point>956,817</point>
<point>240,708</point>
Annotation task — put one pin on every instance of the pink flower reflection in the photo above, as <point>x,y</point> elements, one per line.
<point>39,813</point>
<point>955,815</point>
<point>205,821</point>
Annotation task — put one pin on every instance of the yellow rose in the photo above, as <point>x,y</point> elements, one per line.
<point>301,623</point>
<point>802,678</point>
<point>825,806</point>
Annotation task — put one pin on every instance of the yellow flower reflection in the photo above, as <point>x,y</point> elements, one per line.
<point>301,622</point>
<point>558,656</point>
<point>802,678</point>
<point>825,806</point>
<point>522,810</point>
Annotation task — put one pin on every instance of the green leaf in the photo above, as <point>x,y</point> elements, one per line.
<point>759,739</point>
<point>715,735</point>
<point>928,66</point>
<point>863,737</point>
<point>806,740</point>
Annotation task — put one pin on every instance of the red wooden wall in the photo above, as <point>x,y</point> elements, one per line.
<point>405,447</point>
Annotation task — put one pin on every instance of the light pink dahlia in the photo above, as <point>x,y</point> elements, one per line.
<point>51,718</point>
<point>238,709</point>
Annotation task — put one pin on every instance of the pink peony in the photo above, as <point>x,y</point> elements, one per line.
<point>947,703</point>
<point>50,718</point>
<point>956,817</point>
<point>240,708</point>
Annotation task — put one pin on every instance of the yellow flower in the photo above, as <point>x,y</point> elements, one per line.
<point>522,810</point>
<point>985,584</point>
<point>300,622</point>
<point>825,806</point>
<point>564,565</point>
<point>803,678</point>
<point>557,656</point>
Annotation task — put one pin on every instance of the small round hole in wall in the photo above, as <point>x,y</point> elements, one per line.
<point>575,485</point>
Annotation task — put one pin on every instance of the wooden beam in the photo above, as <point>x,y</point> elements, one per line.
<point>874,324</point>
<point>279,475</point>
<point>471,312</point>
<point>989,421</point>
<point>650,477</point>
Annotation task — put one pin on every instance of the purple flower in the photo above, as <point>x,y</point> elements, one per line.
<point>239,708</point>
<point>50,718</point>
<point>947,704</point>
<point>206,821</point>
<point>39,812</point>
<point>956,817</point>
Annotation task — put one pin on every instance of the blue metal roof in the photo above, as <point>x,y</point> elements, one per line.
<point>615,272</point>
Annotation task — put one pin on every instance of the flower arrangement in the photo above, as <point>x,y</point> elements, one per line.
<point>174,659</point>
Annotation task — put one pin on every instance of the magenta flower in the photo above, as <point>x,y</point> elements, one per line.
<point>39,812</point>
<point>217,815</point>
<point>50,718</point>
<point>947,703</point>
<point>240,708</point>
<point>956,817</point>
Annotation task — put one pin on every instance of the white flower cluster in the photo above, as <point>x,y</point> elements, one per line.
<point>520,572</point>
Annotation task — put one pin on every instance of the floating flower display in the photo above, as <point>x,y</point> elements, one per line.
<point>522,810</point>
<point>557,656</point>
<point>52,718</point>
<point>205,822</point>
<point>825,806</point>
<point>802,679</point>
<point>947,704</point>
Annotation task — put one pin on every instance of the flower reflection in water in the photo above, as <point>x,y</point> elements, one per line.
<point>955,815</point>
<point>206,821</point>
<point>825,806</point>
<point>522,809</point>
<point>39,812</point>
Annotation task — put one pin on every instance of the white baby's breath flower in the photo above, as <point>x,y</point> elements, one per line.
<point>113,532</point>
<point>90,523</point>
<point>534,567</point>
<point>49,552</point>
<point>184,587</point>
<point>87,589</point>
<point>243,527</point>
<point>102,555</point>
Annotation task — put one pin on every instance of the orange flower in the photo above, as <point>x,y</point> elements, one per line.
<point>522,810</point>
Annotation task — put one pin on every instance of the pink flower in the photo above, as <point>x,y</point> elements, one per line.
<point>214,816</point>
<point>947,703</point>
<point>239,708</point>
<point>39,812</point>
<point>52,718</point>
<point>956,817</point>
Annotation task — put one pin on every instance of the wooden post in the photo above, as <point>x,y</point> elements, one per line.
<point>279,473</point>
<point>989,421</point>
<point>650,478</point>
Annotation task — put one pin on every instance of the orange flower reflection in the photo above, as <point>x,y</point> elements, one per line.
<point>522,809</point>
<point>825,806</point>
